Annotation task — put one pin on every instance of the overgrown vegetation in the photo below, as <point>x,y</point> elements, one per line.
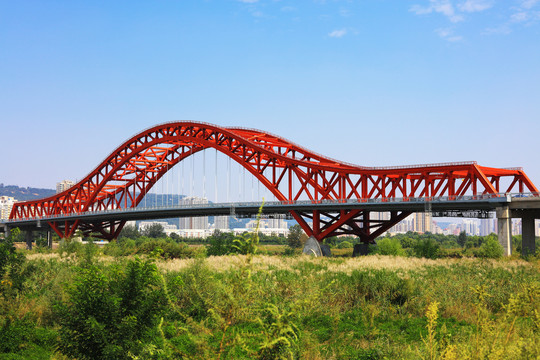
<point>159,298</point>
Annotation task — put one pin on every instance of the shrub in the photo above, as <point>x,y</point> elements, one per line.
<point>112,314</point>
<point>491,249</point>
<point>389,246</point>
<point>221,243</point>
<point>383,286</point>
<point>165,249</point>
<point>427,248</point>
<point>344,245</point>
<point>11,262</point>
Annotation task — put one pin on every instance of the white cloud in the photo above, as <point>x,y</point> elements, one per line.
<point>444,7</point>
<point>448,35</point>
<point>338,33</point>
<point>525,13</point>
<point>528,4</point>
<point>248,1</point>
<point>475,5</point>
<point>288,8</point>
<point>519,17</point>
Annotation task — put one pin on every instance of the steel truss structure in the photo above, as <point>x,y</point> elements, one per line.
<point>127,174</point>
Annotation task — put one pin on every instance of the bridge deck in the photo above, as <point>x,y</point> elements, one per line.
<point>440,204</point>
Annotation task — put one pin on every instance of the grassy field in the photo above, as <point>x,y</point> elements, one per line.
<point>86,305</point>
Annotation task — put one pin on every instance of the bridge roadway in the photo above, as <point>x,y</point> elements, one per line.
<point>506,207</point>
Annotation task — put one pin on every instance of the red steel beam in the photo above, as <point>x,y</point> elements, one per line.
<point>129,172</point>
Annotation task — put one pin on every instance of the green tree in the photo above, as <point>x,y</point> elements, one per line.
<point>130,232</point>
<point>294,239</point>
<point>427,248</point>
<point>155,231</point>
<point>221,243</point>
<point>462,238</point>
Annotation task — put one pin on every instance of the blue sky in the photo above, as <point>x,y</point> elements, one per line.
<point>371,82</point>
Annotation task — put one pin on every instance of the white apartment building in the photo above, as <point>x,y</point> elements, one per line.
<point>63,185</point>
<point>221,222</point>
<point>191,223</point>
<point>423,222</point>
<point>167,228</point>
<point>6,204</point>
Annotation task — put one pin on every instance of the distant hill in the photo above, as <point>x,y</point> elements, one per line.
<point>23,194</point>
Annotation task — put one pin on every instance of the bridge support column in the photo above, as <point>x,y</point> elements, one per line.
<point>49,239</point>
<point>28,236</point>
<point>504,229</point>
<point>528,245</point>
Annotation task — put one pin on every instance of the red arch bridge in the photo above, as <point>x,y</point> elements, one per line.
<point>332,198</point>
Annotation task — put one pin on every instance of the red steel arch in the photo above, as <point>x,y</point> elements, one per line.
<point>127,174</point>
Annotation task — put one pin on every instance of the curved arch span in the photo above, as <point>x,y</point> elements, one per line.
<point>130,171</point>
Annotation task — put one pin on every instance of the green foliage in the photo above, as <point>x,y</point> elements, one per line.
<point>70,247</point>
<point>344,245</point>
<point>221,243</point>
<point>248,307</point>
<point>427,248</point>
<point>11,262</point>
<point>280,334</point>
<point>294,239</point>
<point>389,246</point>
<point>23,337</point>
<point>154,231</point>
<point>112,313</point>
<point>382,286</point>
<point>491,249</point>
<point>167,249</point>
<point>130,232</point>
<point>462,238</point>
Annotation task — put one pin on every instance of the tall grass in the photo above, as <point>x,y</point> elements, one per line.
<point>270,307</point>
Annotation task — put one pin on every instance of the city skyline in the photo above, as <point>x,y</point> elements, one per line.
<point>372,83</point>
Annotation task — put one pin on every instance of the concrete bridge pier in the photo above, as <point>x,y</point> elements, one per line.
<point>504,229</point>
<point>528,244</point>
<point>6,231</point>
<point>28,236</point>
<point>49,239</point>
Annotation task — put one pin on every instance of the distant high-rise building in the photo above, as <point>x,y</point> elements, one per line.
<point>470,226</point>
<point>63,185</point>
<point>422,222</point>
<point>6,204</point>
<point>278,222</point>
<point>487,226</point>
<point>200,222</point>
<point>221,222</point>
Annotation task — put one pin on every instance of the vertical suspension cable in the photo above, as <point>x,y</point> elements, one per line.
<point>204,173</point>
<point>192,173</point>
<point>145,192</point>
<point>228,178</point>
<point>182,176</point>
<point>239,185</point>
<point>215,179</point>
